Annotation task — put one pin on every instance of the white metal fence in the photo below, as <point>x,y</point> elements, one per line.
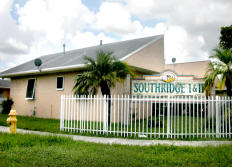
<point>155,117</point>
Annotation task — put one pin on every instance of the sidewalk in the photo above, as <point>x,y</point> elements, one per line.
<point>125,141</point>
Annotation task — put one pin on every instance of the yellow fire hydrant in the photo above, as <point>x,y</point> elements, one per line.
<point>12,120</point>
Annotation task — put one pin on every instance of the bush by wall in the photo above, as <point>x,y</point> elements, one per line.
<point>6,105</point>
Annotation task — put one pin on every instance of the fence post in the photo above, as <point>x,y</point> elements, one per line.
<point>104,114</point>
<point>217,117</point>
<point>168,117</point>
<point>61,113</point>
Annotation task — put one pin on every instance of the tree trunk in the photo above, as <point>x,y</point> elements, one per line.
<point>228,86</point>
<point>106,91</point>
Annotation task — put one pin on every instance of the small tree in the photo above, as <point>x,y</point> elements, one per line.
<point>101,73</point>
<point>221,68</point>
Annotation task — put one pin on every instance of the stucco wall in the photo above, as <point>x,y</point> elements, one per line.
<point>150,57</point>
<point>47,99</point>
<point>198,68</point>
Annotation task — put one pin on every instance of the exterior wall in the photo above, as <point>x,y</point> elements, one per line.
<point>150,57</point>
<point>47,99</point>
<point>198,68</point>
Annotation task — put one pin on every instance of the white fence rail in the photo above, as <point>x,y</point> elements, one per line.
<point>155,117</point>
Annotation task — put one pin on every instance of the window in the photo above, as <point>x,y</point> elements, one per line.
<point>30,94</point>
<point>60,83</point>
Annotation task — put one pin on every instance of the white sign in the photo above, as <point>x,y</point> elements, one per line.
<point>168,83</point>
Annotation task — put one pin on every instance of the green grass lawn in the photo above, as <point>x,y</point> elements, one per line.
<point>34,150</point>
<point>33,123</point>
<point>53,126</point>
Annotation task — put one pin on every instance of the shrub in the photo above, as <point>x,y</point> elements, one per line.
<point>6,105</point>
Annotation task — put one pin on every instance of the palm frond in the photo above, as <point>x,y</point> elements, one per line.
<point>222,82</point>
<point>220,68</point>
<point>105,71</point>
<point>222,55</point>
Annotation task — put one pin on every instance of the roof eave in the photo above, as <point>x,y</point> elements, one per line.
<point>45,71</point>
<point>2,87</point>
<point>145,71</point>
<point>66,69</point>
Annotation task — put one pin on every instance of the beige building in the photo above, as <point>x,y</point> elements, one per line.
<point>38,91</point>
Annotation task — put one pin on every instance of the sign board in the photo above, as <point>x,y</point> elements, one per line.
<point>168,83</point>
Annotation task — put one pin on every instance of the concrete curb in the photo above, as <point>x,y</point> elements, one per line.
<point>121,141</point>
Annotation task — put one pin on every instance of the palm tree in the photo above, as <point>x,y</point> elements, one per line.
<point>221,68</point>
<point>101,73</point>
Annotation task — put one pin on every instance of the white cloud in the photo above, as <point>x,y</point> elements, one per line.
<point>198,18</point>
<point>191,28</point>
<point>146,31</point>
<point>183,46</point>
<point>43,26</point>
<point>181,11</point>
<point>4,5</point>
<point>177,42</point>
<point>85,39</point>
<point>54,19</point>
<point>12,41</point>
<point>114,18</point>
<point>55,22</point>
<point>16,44</point>
<point>12,46</point>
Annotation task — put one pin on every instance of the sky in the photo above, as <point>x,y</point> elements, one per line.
<point>32,28</point>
